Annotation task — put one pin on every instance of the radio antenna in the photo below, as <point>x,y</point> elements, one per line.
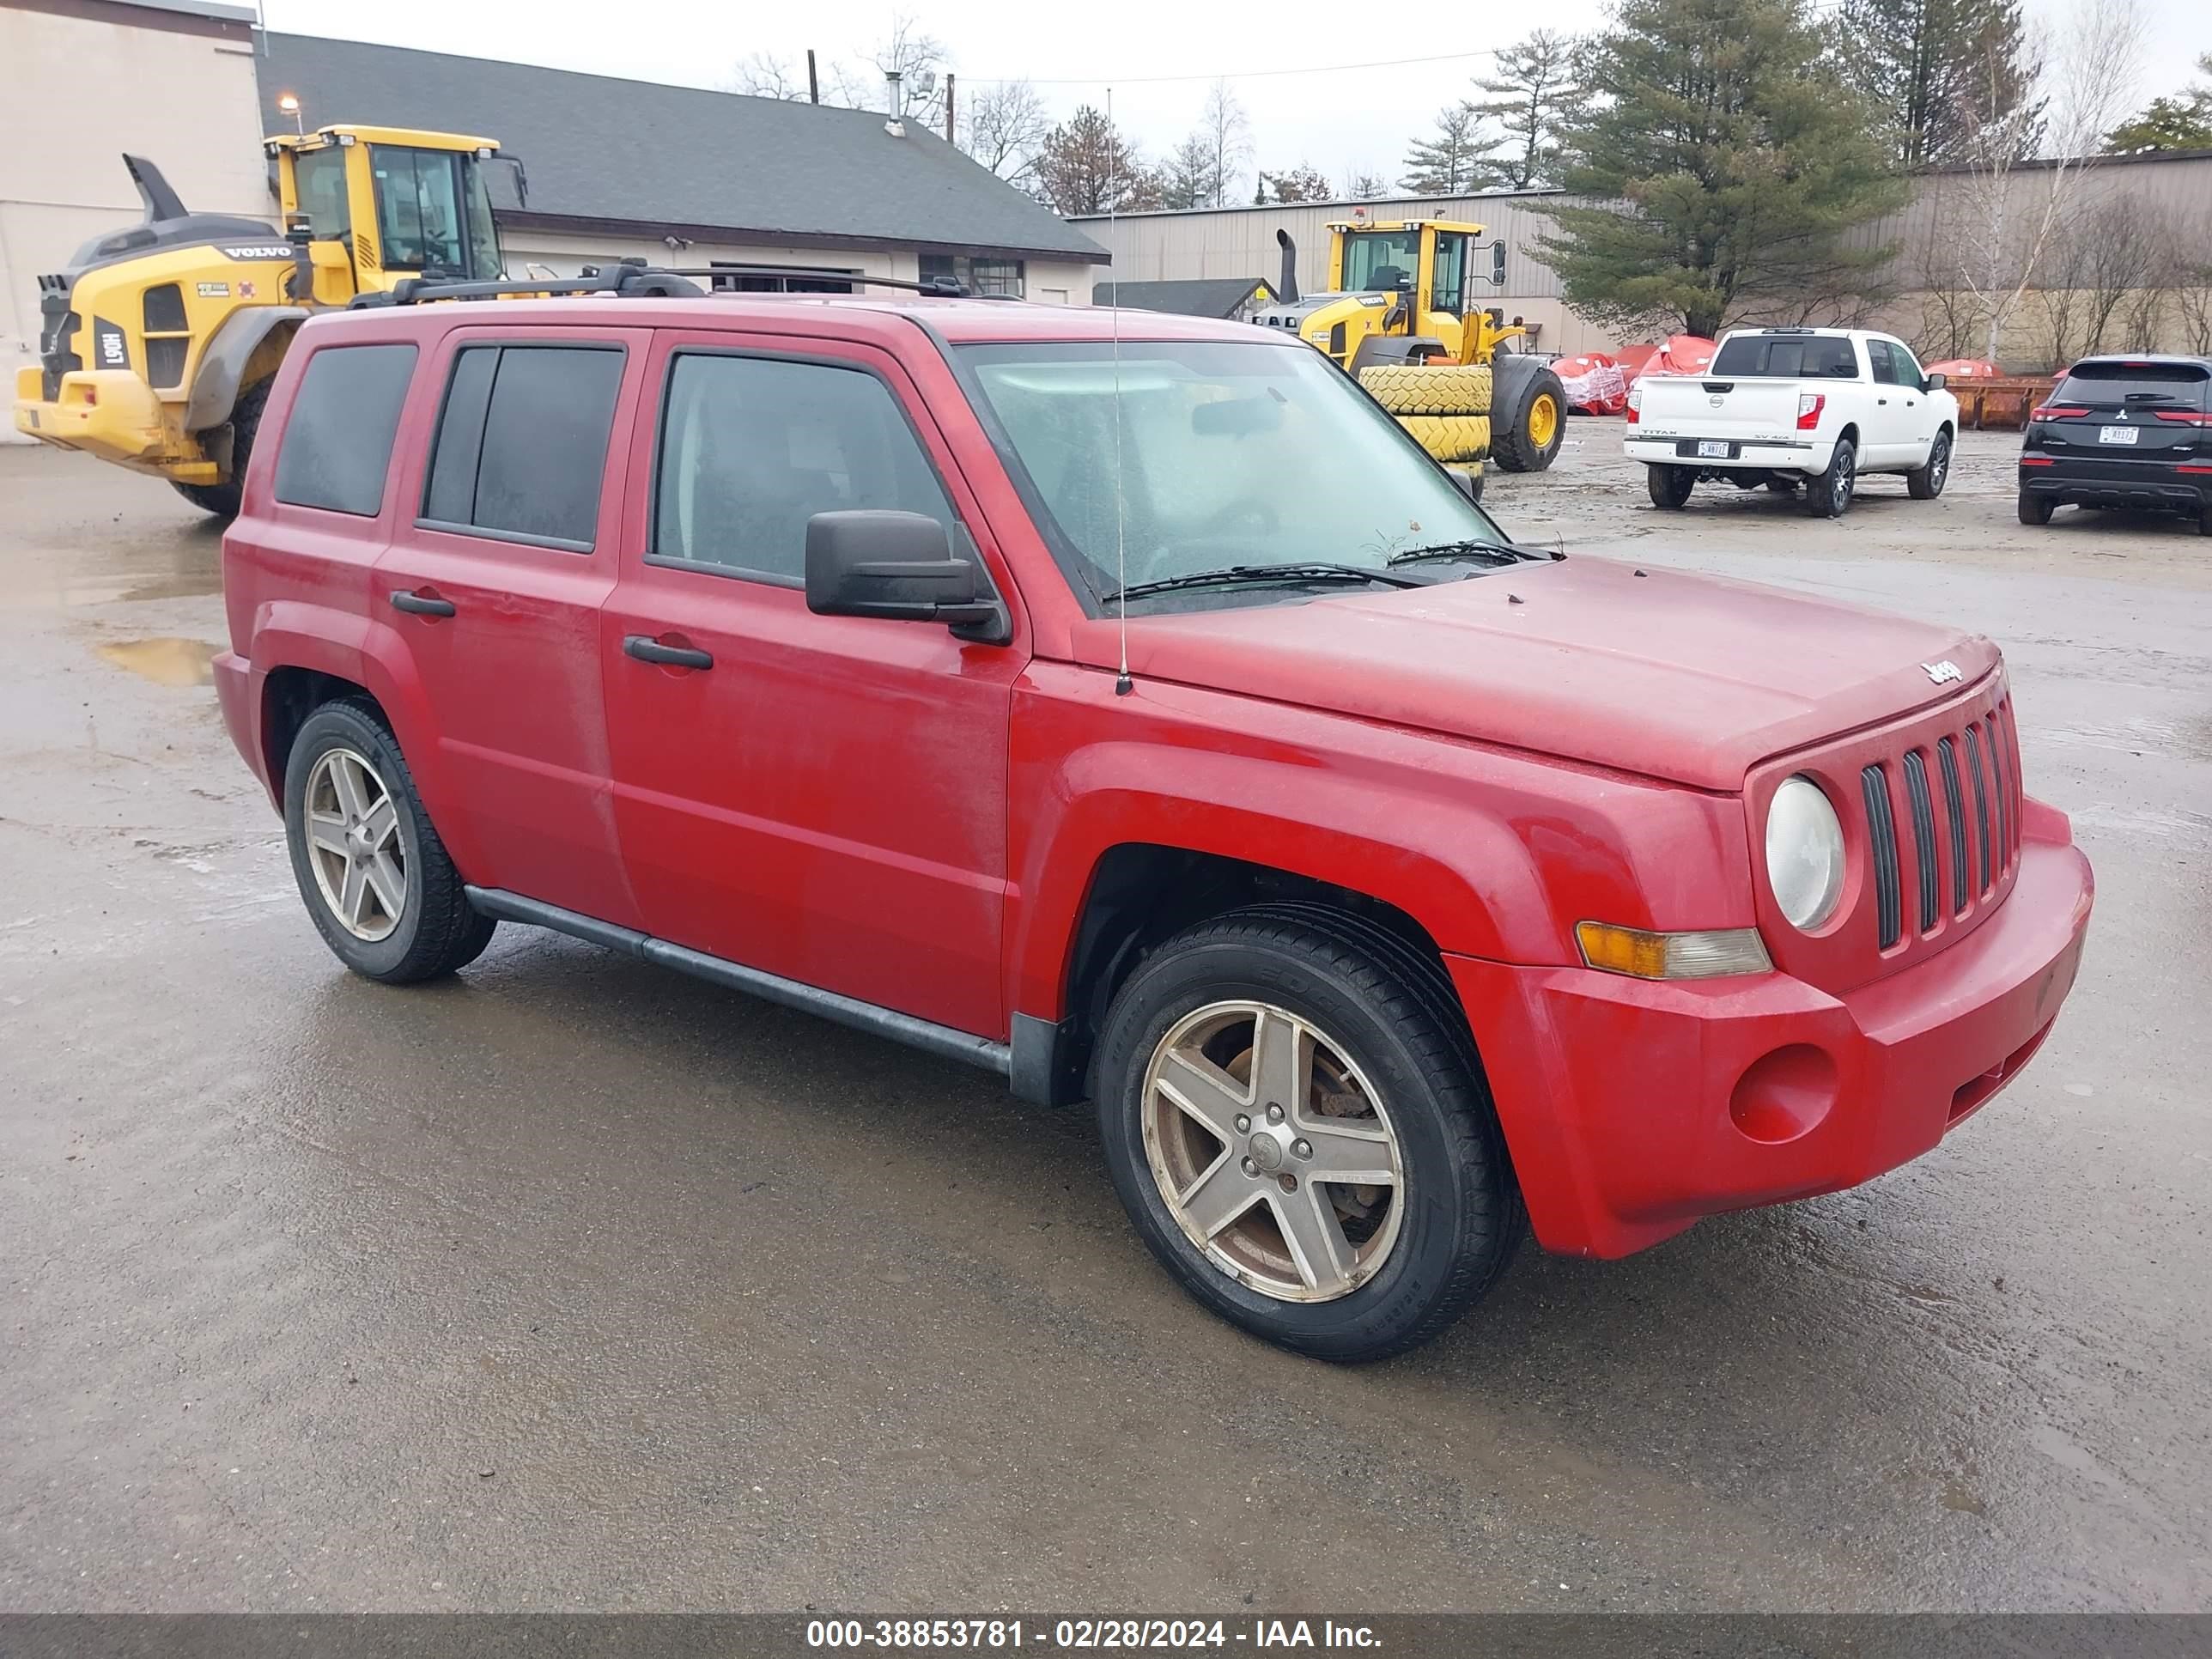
<point>1122,684</point>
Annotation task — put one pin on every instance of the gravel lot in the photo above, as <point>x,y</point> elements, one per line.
<point>572,1284</point>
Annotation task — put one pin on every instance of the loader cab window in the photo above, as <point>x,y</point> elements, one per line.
<point>1451,275</point>
<point>434,213</point>
<point>318,177</point>
<point>1381,261</point>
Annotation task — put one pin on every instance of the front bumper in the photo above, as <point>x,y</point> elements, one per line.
<point>112,413</point>
<point>2148,486</point>
<point>1633,1107</point>
<point>1748,454</point>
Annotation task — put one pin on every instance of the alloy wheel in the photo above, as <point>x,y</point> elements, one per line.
<point>1272,1151</point>
<point>354,845</point>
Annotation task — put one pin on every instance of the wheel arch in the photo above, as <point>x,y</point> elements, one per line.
<point>245,348</point>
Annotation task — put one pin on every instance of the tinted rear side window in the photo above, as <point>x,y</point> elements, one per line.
<point>337,440</point>
<point>1786,357</point>
<point>522,442</point>
<point>2117,381</point>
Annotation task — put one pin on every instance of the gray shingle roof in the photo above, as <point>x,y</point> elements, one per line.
<point>636,152</point>
<point>1189,296</point>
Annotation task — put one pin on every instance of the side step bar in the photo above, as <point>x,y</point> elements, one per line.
<point>931,1038</point>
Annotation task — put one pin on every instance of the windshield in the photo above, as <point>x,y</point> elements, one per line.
<point>1229,455</point>
<point>1380,260</point>
<point>433,214</point>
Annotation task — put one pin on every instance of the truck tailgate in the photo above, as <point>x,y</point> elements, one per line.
<point>1748,410</point>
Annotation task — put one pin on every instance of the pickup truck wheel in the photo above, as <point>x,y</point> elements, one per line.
<point>376,879</point>
<point>1670,486</point>
<point>1925,484</point>
<point>1828,495</point>
<point>1302,1136</point>
<point>2036,509</point>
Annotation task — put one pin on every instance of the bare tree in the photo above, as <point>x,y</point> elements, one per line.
<point>2123,259</point>
<point>1227,138</point>
<point>1361,185</point>
<point>913,54</point>
<point>2192,284</point>
<point>1004,127</point>
<point>2009,215</point>
<point>764,75</point>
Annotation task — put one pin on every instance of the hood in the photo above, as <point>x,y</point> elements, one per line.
<point>1667,674</point>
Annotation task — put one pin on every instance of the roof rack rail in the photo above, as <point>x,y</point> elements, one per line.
<point>633,278</point>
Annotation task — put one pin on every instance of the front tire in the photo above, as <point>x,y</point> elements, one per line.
<point>374,876</point>
<point>1294,1117</point>
<point>1528,417</point>
<point>1828,495</point>
<point>1670,486</point>
<point>2036,509</point>
<point>1925,483</point>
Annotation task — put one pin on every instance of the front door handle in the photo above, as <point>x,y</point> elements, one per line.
<point>645,649</point>
<point>1881,400</point>
<point>418,604</point>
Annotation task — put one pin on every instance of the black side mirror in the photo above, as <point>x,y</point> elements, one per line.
<point>895,565</point>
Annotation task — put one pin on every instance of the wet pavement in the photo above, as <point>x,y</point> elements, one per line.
<point>573,1283</point>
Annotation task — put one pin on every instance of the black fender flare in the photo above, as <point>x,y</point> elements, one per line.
<point>222,364</point>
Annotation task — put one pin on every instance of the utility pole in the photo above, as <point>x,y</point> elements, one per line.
<point>948,106</point>
<point>813,86</point>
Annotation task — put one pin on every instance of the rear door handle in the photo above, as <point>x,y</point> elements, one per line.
<point>417,605</point>
<point>1881,400</point>
<point>645,649</point>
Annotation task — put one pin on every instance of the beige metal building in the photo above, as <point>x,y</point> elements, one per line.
<point>173,80</point>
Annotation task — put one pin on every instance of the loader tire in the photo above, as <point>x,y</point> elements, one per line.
<point>1530,417</point>
<point>222,499</point>
<point>1450,438</point>
<point>1404,389</point>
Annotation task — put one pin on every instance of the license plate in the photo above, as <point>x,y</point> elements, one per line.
<point>1709,449</point>
<point>2116,435</point>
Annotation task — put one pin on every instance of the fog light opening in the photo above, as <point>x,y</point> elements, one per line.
<point>1784,1095</point>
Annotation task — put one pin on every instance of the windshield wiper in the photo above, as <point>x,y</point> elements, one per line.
<point>1494,552</point>
<point>1302,570</point>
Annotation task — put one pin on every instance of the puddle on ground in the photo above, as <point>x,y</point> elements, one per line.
<point>164,661</point>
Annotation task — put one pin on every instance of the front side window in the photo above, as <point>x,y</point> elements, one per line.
<point>1227,454</point>
<point>1381,261</point>
<point>1908,372</point>
<point>522,442</point>
<point>752,447</point>
<point>1451,274</point>
<point>318,179</point>
<point>337,438</point>
<point>430,218</point>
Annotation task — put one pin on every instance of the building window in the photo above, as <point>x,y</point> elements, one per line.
<point>977,275</point>
<point>753,283</point>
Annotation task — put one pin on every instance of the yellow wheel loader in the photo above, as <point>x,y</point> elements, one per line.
<point>157,344</point>
<point>1401,318</point>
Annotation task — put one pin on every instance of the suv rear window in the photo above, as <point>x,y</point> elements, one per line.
<point>337,440</point>
<point>2113,380</point>
<point>523,442</point>
<point>1787,357</point>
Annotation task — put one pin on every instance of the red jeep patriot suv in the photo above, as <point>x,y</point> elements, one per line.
<point>1376,877</point>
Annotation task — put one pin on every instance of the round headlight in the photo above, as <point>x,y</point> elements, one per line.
<point>1804,852</point>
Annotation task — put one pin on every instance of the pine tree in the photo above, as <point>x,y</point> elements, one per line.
<point>1531,91</point>
<point>1936,69</point>
<point>1455,161</point>
<point>1302,183</point>
<point>1187,177</point>
<point>1731,163</point>
<point>2183,122</point>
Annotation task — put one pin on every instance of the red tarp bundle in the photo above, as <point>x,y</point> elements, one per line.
<point>1594,383</point>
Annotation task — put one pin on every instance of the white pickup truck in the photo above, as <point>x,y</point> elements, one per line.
<point>1795,407</point>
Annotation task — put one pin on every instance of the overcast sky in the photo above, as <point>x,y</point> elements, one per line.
<point>1338,120</point>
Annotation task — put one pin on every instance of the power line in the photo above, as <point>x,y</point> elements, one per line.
<point>1244,75</point>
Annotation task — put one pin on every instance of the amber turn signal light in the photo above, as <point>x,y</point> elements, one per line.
<point>1642,955</point>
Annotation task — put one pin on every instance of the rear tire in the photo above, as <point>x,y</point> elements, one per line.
<point>223,499</point>
<point>2204,521</point>
<point>2036,509</point>
<point>1925,484</point>
<point>1828,495</point>
<point>409,918</point>
<point>1385,1059</point>
<point>1670,486</point>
